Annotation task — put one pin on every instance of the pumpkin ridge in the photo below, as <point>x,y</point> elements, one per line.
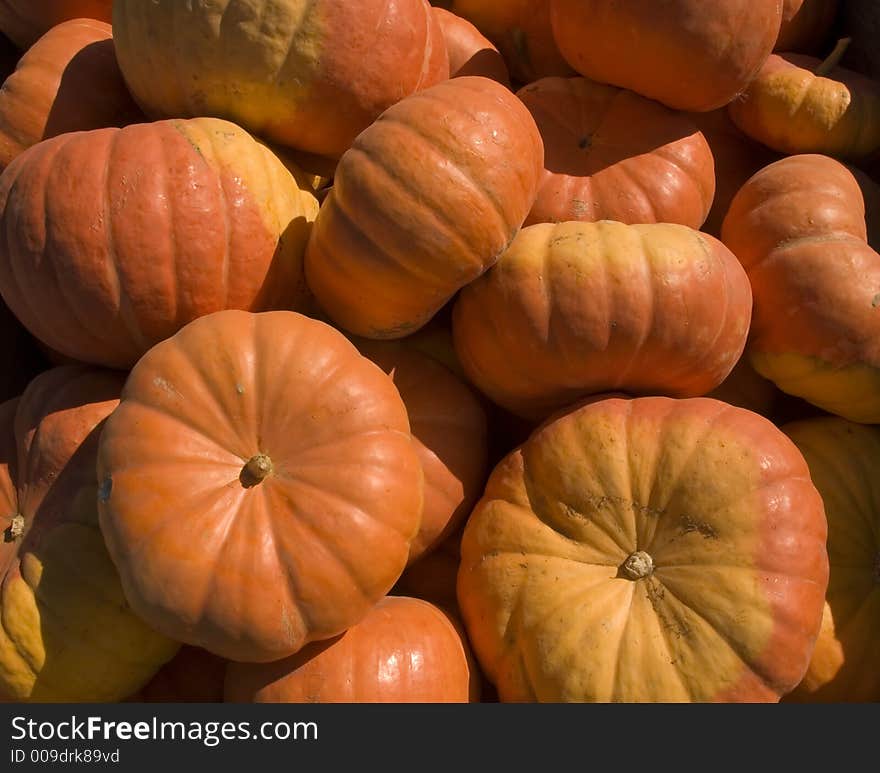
<point>26,657</point>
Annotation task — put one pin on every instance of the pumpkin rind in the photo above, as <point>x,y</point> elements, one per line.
<point>470,53</point>
<point>646,550</point>
<point>259,484</point>
<point>114,239</point>
<point>25,21</point>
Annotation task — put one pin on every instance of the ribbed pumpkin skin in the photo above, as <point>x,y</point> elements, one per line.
<point>805,25</point>
<point>646,550</point>
<point>310,74</point>
<point>24,21</point>
<point>404,651</point>
<point>470,52</point>
<point>575,309</point>
<point>66,631</point>
<point>687,54</point>
<point>522,31</point>
<point>425,201</point>
<point>67,81</point>
<point>252,569</point>
<point>792,110</point>
<point>798,227</point>
<point>844,460</point>
<point>448,426</point>
<point>610,154</point>
<point>114,239</point>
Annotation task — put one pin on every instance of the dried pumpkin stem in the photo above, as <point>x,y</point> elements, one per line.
<point>15,529</point>
<point>638,566</point>
<point>833,59</point>
<point>257,469</point>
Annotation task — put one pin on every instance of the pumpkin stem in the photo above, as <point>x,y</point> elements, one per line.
<point>15,529</point>
<point>638,566</point>
<point>833,59</point>
<point>258,467</point>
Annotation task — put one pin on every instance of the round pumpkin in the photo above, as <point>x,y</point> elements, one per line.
<point>66,631</point>
<point>404,651</point>
<point>805,25</point>
<point>646,550</point>
<point>470,52</point>
<point>193,675</point>
<point>67,81</point>
<point>424,202</point>
<point>610,154</point>
<point>798,227</point>
<point>25,21</point>
<point>448,426</point>
<point>522,31</point>
<point>259,484</point>
<point>574,309</point>
<point>687,54</point>
<point>844,461</point>
<point>311,74</point>
<point>112,240</point>
<point>797,104</point>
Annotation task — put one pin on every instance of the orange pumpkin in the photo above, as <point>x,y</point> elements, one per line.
<point>844,460</point>
<point>112,240</point>
<point>610,154</point>
<point>404,651</point>
<point>798,227</point>
<point>66,631</point>
<point>575,309</point>
<point>798,104</point>
<point>470,53</point>
<point>24,21</point>
<point>805,24</point>
<point>311,75</point>
<point>448,426</point>
<point>259,484</point>
<point>424,202</point>
<point>688,54</point>
<point>646,550</point>
<point>67,81</point>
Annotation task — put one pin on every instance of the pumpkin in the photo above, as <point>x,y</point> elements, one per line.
<point>20,358</point>
<point>610,154</point>
<point>736,157</point>
<point>66,631</point>
<point>646,550</point>
<point>798,104</point>
<point>433,576</point>
<point>448,426</point>
<point>404,651</point>
<point>253,452</point>
<point>805,24</point>
<point>522,31</point>
<point>574,309</point>
<point>25,21</point>
<point>67,81</point>
<point>470,52</point>
<point>798,227</point>
<point>193,675</point>
<point>687,54</point>
<point>844,461</point>
<point>112,240</point>
<point>424,202</point>
<point>311,74</point>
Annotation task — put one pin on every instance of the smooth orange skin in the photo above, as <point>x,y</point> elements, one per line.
<point>610,154</point>
<point>791,110</point>
<point>405,650</point>
<point>425,201</point>
<point>311,74</point>
<point>687,54</point>
<point>253,571</point>
<point>542,557</point>
<point>805,25</point>
<point>193,675</point>
<point>470,52</point>
<point>25,21</point>
<point>522,31</point>
<point>449,428</point>
<point>67,81</point>
<point>113,239</point>
<point>648,309</point>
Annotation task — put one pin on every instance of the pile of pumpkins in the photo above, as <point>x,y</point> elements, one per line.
<point>500,350</point>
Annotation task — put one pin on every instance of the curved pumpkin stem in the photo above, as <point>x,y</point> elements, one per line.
<point>258,468</point>
<point>833,59</point>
